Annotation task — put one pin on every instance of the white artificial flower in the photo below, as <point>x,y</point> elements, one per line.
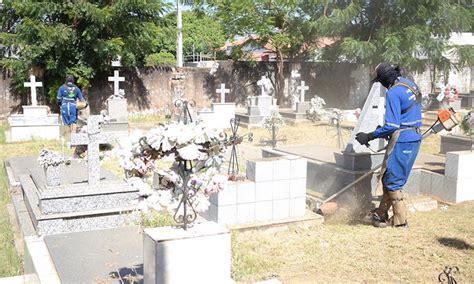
<point>189,152</point>
<point>200,202</point>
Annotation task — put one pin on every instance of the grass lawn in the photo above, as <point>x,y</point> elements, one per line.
<point>361,253</point>
<point>10,263</point>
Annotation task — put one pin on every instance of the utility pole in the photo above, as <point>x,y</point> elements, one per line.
<point>179,26</point>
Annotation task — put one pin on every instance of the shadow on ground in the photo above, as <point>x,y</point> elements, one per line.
<point>128,275</point>
<point>455,243</point>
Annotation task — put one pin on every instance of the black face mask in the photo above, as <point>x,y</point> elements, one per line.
<point>388,79</point>
<point>387,74</point>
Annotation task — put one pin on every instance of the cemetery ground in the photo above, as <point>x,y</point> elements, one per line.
<point>332,252</point>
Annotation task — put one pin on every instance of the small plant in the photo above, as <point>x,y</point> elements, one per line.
<point>467,125</point>
<point>273,120</point>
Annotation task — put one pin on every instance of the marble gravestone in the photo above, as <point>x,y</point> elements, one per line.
<point>36,121</point>
<point>371,116</point>
<point>356,159</point>
<point>258,107</point>
<point>221,113</point>
<point>87,197</point>
<point>117,108</point>
<point>301,106</point>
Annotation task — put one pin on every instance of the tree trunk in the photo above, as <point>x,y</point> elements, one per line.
<point>279,78</point>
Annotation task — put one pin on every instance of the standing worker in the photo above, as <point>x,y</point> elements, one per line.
<point>402,128</point>
<point>68,95</point>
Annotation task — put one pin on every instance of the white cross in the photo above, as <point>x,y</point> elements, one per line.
<point>222,91</point>
<point>302,88</point>
<point>33,85</point>
<point>116,79</point>
<point>261,83</point>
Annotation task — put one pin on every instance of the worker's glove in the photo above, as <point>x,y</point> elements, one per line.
<point>364,138</point>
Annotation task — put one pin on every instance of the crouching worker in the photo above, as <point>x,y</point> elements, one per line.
<point>402,128</point>
<point>68,95</point>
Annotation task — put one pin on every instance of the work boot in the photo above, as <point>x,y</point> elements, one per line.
<point>399,218</point>
<point>378,221</point>
<point>384,205</point>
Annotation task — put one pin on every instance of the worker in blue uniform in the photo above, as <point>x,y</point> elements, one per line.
<point>68,94</point>
<point>402,128</point>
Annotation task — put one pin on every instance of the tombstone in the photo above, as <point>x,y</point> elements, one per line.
<point>221,113</point>
<point>36,121</point>
<point>86,198</point>
<point>93,138</point>
<point>117,108</point>
<point>301,106</point>
<point>356,159</point>
<point>259,106</point>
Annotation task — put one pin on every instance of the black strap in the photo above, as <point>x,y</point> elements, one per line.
<point>416,92</point>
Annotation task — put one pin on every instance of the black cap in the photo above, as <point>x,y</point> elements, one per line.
<point>382,69</point>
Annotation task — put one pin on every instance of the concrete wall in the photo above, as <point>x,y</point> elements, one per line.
<point>342,85</point>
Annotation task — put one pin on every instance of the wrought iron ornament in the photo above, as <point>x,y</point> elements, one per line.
<point>447,276</point>
<point>234,140</point>
<point>185,214</point>
<point>274,136</point>
<point>183,105</point>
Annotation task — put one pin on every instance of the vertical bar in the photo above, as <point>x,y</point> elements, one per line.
<point>179,27</point>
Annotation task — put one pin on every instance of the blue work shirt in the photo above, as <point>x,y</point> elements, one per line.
<point>69,93</point>
<point>400,98</point>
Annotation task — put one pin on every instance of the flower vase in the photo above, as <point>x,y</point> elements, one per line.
<point>156,180</point>
<point>52,175</point>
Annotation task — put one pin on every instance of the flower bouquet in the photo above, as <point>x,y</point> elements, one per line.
<point>195,153</point>
<point>50,161</point>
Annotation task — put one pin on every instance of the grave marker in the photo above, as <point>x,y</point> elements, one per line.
<point>302,89</point>
<point>116,79</point>
<point>222,91</point>
<point>371,116</point>
<point>93,138</point>
<point>33,85</point>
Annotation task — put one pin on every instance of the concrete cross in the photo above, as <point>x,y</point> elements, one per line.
<point>33,85</point>
<point>302,89</point>
<point>93,138</point>
<point>222,91</point>
<point>262,84</point>
<point>116,79</point>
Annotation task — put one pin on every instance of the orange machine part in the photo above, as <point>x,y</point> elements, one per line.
<point>444,115</point>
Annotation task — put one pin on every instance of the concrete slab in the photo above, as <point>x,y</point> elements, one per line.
<point>326,154</point>
<point>92,257</point>
<point>73,174</point>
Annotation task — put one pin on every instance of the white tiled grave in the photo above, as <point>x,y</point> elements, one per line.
<point>34,123</point>
<point>457,183</point>
<point>167,249</point>
<point>275,190</point>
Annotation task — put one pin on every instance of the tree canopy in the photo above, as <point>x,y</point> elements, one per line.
<point>55,38</point>
<point>412,33</point>
<point>200,31</point>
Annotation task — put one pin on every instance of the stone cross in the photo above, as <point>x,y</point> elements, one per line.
<point>93,138</point>
<point>222,91</point>
<point>33,85</point>
<point>264,84</point>
<point>302,89</point>
<point>116,79</point>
